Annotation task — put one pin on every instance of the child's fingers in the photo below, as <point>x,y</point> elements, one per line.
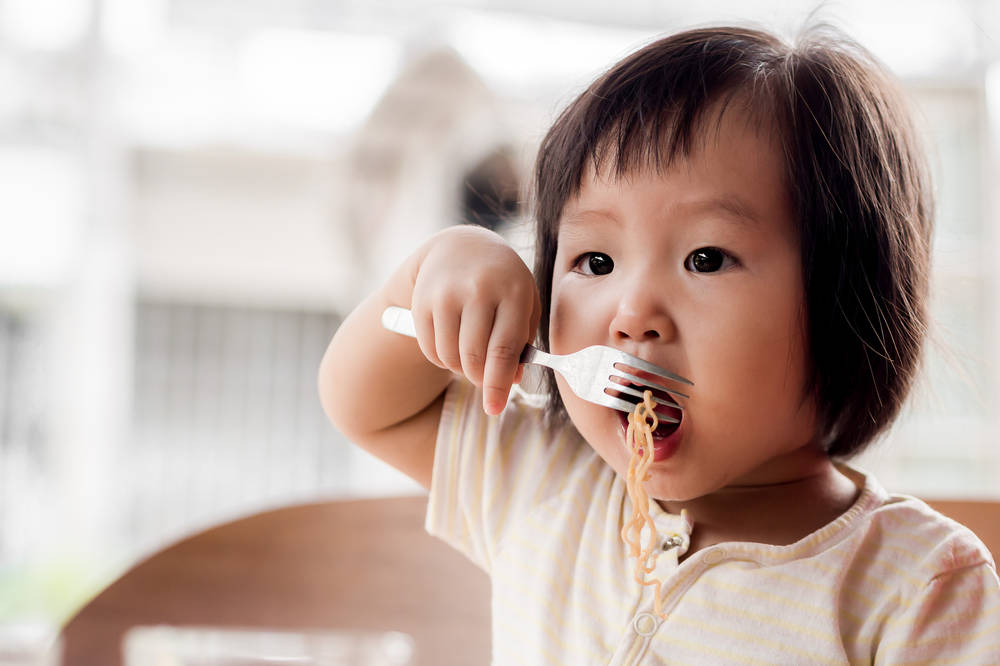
<point>446,332</point>
<point>503,356</point>
<point>423,324</point>
<point>474,338</point>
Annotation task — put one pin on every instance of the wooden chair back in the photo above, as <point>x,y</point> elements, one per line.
<point>360,564</point>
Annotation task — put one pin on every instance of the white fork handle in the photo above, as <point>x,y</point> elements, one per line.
<point>398,320</point>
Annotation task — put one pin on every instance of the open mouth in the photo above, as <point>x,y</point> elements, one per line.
<point>665,428</point>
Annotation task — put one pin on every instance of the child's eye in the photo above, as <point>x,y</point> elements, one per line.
<point>594,263</point>
<point>708,260</point>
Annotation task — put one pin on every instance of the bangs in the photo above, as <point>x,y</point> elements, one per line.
<point>642,139</point>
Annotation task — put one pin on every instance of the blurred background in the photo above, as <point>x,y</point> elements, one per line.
<point>193,193</point>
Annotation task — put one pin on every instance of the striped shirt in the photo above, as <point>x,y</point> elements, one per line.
<point>888,582</point>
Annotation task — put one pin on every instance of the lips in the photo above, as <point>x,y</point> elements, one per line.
<point>667,436</point>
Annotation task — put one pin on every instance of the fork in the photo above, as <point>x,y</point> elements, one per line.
<point>589,372</point>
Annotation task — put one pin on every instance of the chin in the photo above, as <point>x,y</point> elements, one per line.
<point>662,491</point>
<point>683,484</point>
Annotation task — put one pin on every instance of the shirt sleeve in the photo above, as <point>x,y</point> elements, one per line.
<point>955,619</point>
<point>484,469</point>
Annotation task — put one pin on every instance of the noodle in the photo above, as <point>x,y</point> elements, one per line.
<point>639,437</point>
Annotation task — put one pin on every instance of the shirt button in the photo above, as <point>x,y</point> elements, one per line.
<point>715,556</point>
<point>645,624</point>
<point>679,541</point>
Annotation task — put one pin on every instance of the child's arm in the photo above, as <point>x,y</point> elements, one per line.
<point>475,306</point>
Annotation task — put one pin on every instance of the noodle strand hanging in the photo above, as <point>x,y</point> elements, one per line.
<point>639,437</point>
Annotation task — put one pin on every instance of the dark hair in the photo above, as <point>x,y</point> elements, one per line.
<point>856,176</point>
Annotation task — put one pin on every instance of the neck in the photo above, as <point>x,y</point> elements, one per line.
<point>775,509</point>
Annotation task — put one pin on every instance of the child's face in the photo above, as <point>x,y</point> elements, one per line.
<point>646,264</point>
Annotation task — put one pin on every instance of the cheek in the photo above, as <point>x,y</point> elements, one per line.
<point>570,327</point>
<point>557,319</point>
<point>755,356</point>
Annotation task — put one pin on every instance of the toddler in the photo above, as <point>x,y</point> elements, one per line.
<point>752,216</point>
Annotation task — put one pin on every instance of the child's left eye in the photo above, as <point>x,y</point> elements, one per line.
<point>708,260</point>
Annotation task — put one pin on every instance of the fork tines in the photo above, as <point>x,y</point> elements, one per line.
<point>647,383</point>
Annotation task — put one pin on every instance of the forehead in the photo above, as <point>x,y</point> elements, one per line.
<point>734,167</point>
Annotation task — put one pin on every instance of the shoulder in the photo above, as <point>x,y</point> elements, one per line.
<point>921,541</point>
<point>940,544</point>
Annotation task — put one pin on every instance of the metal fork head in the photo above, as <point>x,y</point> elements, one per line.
<point>631,384</point>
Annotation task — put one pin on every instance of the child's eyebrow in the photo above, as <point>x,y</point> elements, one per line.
<point>587,217</point>
<point>737,210</point>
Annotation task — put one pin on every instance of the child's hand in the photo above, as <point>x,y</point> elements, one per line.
<point>475,305</point>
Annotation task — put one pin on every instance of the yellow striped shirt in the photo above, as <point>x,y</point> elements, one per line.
<point>889,582</point>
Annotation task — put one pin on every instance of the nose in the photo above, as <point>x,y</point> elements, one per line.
<point>642,316</point>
